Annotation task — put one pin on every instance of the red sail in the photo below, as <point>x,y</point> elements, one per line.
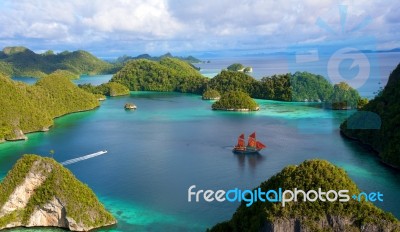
<point>240,141</point>
<point>260,146</point>
<point>252,140</point>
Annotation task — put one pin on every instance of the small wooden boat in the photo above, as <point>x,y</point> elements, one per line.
<point>253,146</point>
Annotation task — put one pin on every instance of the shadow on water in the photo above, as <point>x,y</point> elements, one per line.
<point>252,159</point>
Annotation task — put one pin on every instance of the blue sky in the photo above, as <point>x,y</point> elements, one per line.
<point>113,28</point>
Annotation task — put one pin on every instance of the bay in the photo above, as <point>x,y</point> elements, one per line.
<point>174,140</point>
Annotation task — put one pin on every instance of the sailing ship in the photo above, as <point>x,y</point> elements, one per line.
<point>253,146</point>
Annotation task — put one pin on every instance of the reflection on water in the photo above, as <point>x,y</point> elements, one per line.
<point>252,160</point>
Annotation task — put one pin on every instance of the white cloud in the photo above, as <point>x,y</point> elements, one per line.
<point>179,25</point>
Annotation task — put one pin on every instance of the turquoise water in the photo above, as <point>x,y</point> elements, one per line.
<point>173,141</point>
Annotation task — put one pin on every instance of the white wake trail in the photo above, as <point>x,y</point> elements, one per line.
<point>85,157</point>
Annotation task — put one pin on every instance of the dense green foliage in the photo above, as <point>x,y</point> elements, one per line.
<point>310,175</point>
<point>31,108</point>
<point>229,80</point>
<point>125,58</point>
<point>310,87</point>
<point>169,74</point>
<point>237,67</point>
<point>111,89</point>
<point>301,86</point>
<point>20,61</point>
<point>235,100</point>
<point>80,201</point>
<point>276,87</point>
<point>67,74</point>
<point>386,105</point>
<point>211,94</point>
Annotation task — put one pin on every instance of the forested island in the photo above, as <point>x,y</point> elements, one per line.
<point>26,108</point>
<point>237,67</point>
<point>39,192</point>
<point>20,61</point>
<point>125,58</point>
<point>377,123</point>
<point>168,74</point>
<point>171,74</point>
<point>235,101</point>
<point>310,216</point>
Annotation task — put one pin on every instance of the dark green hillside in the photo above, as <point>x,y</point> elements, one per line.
<point>20,61</point>
<point>310,216</point>
<point>125,58</point>
<point>27,108</point>
<point>80,203</point>
<point>311,87</point>
<point>386,107</point>
<point>19,111</point>
<point>235,101</point>
<point>211,94</point>
<point>111,89</point>
<point>231,80</point>
<point>276,87</point>
<point>169,74</point>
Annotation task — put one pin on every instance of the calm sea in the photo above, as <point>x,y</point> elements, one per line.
<point>173,141</point>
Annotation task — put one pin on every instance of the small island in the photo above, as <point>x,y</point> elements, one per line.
<point>237,67</point>
<point>130,106</point>
<point>235,101</point>
<point>211,94</point>
<point>39,192</point>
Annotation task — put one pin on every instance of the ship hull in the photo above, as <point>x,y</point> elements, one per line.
<point>246,150</point>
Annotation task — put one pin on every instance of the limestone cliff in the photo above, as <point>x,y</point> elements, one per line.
<point>40,192</point>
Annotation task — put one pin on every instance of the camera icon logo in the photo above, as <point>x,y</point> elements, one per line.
<point>342,57</point>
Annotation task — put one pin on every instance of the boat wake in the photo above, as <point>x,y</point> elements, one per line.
<point>85,157</point>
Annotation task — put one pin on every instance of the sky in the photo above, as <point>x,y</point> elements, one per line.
<point>183,27</point>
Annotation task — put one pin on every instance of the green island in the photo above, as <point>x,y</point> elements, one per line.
<point>352,215</point>
<point>38,191</point>
<point>211,94</point>
<point>235,101</point>
<point>111,89</point>
<point>171,74</point>
<point>20,61</point>
<point>237,67</point>
<point>28,108</point>
<point>189,59</point>
<point>168,74</point>
<point>377,123</point>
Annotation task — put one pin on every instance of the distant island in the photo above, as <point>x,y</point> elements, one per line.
<point>168,74</point>
<point>39,192</point>
<point>189,59</point>
<point>235,101</point>
<point>317,215</point>
<point>171,74</point>
<point>26,108</point>
<point>20,61</point>
<point>377,123</point>
<point>237,67</point>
